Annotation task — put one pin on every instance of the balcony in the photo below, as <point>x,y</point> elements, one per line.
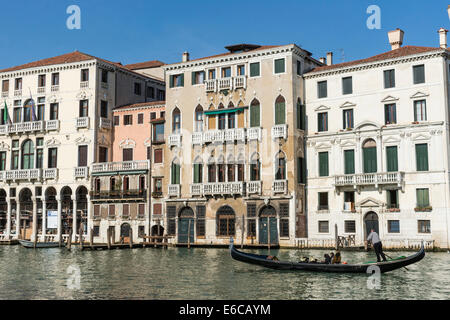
<point>197,189</point>
<point>225,84</point>
<point>367,179</point>
<point>254,187</point>
<point>279,131</point>
<point>229,83</point>
<point>175,140</point>
<point>219,136</point>
<point>254,133</point>
<point>27,127</point>
<point>84,85</point>
<point>280,186</point>
<point>121,166</point>
<point>81,172</point>
<point>174,190</point>
<point>26,174</point>
<point>105,123</point>
<point>5,94</point>
<point>82,122</point>
<point>119,194</point>
<point>210,85</point>
<point>197,138</point>
<point>240,82</point>
<point>52,125</point>
<point>41,90</point>
<point>50,173</point>
<point>54,88</point>
<point>18,93</point>
<point>223,188</point>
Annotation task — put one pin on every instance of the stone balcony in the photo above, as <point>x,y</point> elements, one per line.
<point>279,131</point>
<point>120,166</point>
<point>84,84</point>
<point>5,94</point>
<point>229,83</point>
<point>254,187</point>
<point>24,174</point>
<point>29,127</point>
<point>174,190</point>
<point>82,122</point>
<point>41,90</point>
<point>223,188</point>
<point>49,174</point>
<point>254,133</point>
<point>219,136</point>
<point>370,179</point>
<point>81,172</point>
<point>280,186</point>
<point>175,140</point>
<point>105,124</point>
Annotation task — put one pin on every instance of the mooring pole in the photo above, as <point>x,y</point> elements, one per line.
<point>242,233</point>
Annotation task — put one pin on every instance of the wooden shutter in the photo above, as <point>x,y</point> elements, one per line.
<point>349,161</point>
<point>280,113</point>
<point>182,80</point>
<point>240,117</point>
<point>157,208</point>
<point>422,157</point>
<point>171,81</point>
<point>175,173</point>
<point>211,122</point>
<point>82,156</point>
<point>323,164</point>
<point>158,156</point>
<point>370,160</point>
<point>196,173</point>
<point>279,66</point>
<point>193,78</point>
<point>392,159</point>
<point>254,116</point>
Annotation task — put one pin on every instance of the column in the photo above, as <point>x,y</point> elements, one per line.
<point>8,218</point>
<point>59,218</point>
<point>89,221</point>
<point>34,227</point>
<point>18,219</point>
<point>44,219</point>
<point>380,163</point>
<point>74,218</point>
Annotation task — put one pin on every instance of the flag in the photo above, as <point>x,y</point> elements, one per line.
<point>33,108</point>
<point>6,118</point>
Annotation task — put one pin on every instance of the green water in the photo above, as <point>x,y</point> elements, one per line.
<point>180,273</point>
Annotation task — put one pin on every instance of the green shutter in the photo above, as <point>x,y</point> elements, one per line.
<point>349,159</point>
<point>422,157</point>
<point>323,164</point>
<point>386,79</point>
<point>347,87</point>
<point>392,159</point>
<point>370,160</point>
<point>299,116</point>
<point>419,74</point>
<point>193,78</point>
<point>175,173</point>
<point>423,199</point>
<point>254,116</point>
<point>196,173</point>
<point>254,69</point>
<point>299,170</point>
<point>280,113</point>
<point>171,81</point>
<point>279,66</point>
<point>322,89</point>
<point>182,80</point>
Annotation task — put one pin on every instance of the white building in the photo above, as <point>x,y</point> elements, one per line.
<point>378,145</point>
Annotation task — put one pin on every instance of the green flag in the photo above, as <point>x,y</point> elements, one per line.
<point>5,114</point>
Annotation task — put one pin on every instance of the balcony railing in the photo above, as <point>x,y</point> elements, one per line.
<point>52,125</point>
<point>365,179</point>
<point>279,186</point>
<point>240,82</point>
<point>197,138</point>
<point>197,189</point>
<point>17,93</point>
<point>82,122</point>
<point>41,90</point>
<point>174,190</point>
<point>5,94</point>
<point>81,172</point>
<point>119,194</point>
<point>33,126</point>
<point>105,123</point>
<point>225,83</point>
<point>50,173</point>
<point>254,133</point>
<point>223,188</point>
<point>279,131</point>
<point>254,187</point>
<point>220,136</point>
<point>84,84</point>
<point>210,85</point>
<point>55,88</point>
<point>121,166</point>
<point>229,83</point>
<point>26,174</point>
<point>175,140</point>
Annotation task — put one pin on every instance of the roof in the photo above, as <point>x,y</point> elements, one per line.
<point>140,105</point>
<point>231,53</point>
<point>145,65</point>
<point>392,54</point>
<point>242,47</point>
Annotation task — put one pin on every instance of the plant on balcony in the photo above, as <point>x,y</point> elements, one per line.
<point>394,209</point>
<point>423,209</point>
<point>415,122</point>
<point>156,194</point>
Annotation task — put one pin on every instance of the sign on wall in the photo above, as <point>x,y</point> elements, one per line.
<point>52,219</point>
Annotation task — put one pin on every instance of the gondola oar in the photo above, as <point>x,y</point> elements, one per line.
<point>393,259</point>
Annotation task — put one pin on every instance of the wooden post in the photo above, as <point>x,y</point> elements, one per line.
<point>189,234</point>
<point>91,238</point>
<point>242,233</point>
<point>108,238</point>
<point>35,235</point>
<point>81,235</point>
<point>336,236</point>
<point>268,232</point>
<point>24,228</point>
<point>131,238</point>
<point>69,240</point>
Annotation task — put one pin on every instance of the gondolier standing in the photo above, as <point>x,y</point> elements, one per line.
<point>378,247</point>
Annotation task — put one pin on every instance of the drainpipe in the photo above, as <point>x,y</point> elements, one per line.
<point>446,155</point>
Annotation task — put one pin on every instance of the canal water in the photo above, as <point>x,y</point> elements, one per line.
<point>181,273</point>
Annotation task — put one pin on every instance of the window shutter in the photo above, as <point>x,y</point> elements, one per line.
<point>196,173</point>
<point>370,160</point>
<point>388,198</point>
<point>182,79</point>
<point>386,79</point>
<point>193,78</point>
<point>254,116</point>
<point>349,159</point>
<point>82,156</point>
<point>392,159</point>
<point>280,113</point>
<point>422,157</point>
<point>254,69</point>
<point>171,81</point>
<point>279,66</point>
<point>323,164</point>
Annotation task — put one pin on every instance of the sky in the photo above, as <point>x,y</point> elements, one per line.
<point>142,30</point>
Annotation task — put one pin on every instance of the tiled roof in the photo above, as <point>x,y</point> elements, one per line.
<point>397,53</point>
<point>139,105</point>
<point>231,53</point>
<point>145,65</point>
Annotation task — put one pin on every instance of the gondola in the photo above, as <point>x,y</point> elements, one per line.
<point>262,260</point>
<point>39,245</point>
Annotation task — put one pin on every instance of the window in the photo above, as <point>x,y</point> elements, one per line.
<point>279,66</point>
<point>96,230</point>
<point>420,110</point>
<point>150,92</point>
<point>255,168</point>
<point>83,112</point>
<point>284,219</point>
<point>3,161</point>
<point>390,116</point>
<point>54,111</point>
<point>241,70</point>
<point>158,156</point>
<point>176,80</point>
<point>322,121</point>
<point>199,119</point>
<point>17,115</point>
<point>392,199</point>
<point>5,86</point>
<point>41,109</point>
<point>41,80</point>
<point>102,154</point>
<point>221,172</point>
<point>299,68</point>
<point>370,156</point>
<point>55,79</point>
<point>162,114</point>
<point>422,157</point>
<point>128,120</point>
<point>211,173</point>
<point>393,226</point>
<point>240,172</point>
<point>254,114</point>
<point>349,226</point>
<point>231,173</point>
<point>18,84</point>
<point>419,74</point>
<point>157,183</point>
<point>322,89</point>
<point>280,167</point>
<point>423,226</point>
<point>157,208</point>
<point>171,220</point>
<point>198,173</point>
<point>140,118</point>
<point>137,89</point>
<point>175,176</point>
<point>161,94</point>
<point>158,132</point>
<point>392,159</point>
<point>212,74</point>
<point>423,198</point>
<point>349,201</point>
<point>127,154</point>
<point>347,85</point>
<point>323,227</point>
<point>301,170</point>
<point>225,221</point>
<point>104,109</point>
<point>323,164</point>
<point>201,216</point>
<point>348,118</point>
<point>254,69</point>
<point>104,76</point>
<point>280,110</point>
<point>112,210</point>
<point>176,121</point>
<point>389,79</point>
<point>84,75</point>
<point>222,119</point>
<point>349,161</point>
<point>116,120</point>
<point>28,155</point>
<point>15,155</point>
<point>251,220</point>
<point>226,72</point>
<point>323,201</point>
<point>52,157</point>
<point>231,120</point>
<point>198,77</point>
<point>82,156</point>
<point>301,116</point>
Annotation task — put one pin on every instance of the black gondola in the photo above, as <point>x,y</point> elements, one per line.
<point>264,261</point>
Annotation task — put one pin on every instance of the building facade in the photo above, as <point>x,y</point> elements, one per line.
<point>378,146</point>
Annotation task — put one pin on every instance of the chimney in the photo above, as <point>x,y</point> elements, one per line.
<point>396,38</point>
<point>322,59</point>
<point>442,38</point>
<point>185,56</point>
<point>329,58</point>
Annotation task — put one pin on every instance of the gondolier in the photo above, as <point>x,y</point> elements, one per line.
<point>377,246</point>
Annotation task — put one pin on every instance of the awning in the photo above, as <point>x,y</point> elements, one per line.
<point>222,111</point>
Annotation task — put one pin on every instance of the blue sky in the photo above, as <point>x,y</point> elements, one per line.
<point>140,30</point>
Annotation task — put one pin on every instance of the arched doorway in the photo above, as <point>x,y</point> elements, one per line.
<point>370,156</point>
<point>67,210</point>
<point>3,211</point>
<point>226,222</point>
<point>268,226</point>
<point>157,230</point>
<point>50,211</point>
<point>371,222</point>
<point>81,213</point>
<point>186,225</point>
<point>125,232</point>
<point>26,214</point>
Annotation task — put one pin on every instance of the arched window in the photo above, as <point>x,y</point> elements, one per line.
<point>175,172</point>
<point>211,170</point>
<point>280,166</point>
<point>97,185</point>
<point>176,121</point>
<point>126,183</point>
<point>112,184</point>
<point>255,113</point>
<point>231,117</point>
<point>226,221</point>
<point>199,119</point>
<point>280,110</point>
<point>240,167</point>
<point>221,169</point>
<point>28,155</point>
<point>300,115</point>
<point>211,119</point>
<point>370,156</point>
<point>231,171</point>
<point>222,119</point>
<point>255,167</point>
<point>28,111</point>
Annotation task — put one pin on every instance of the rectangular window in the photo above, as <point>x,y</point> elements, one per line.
<point>349,161</point>
<point>349,201</point>
<point>5,86</point>
<point>419,74</point>
<point>284,220</point>
<point>82,156</point>
<point>151,92</point>
<point>323,227</point>
<point>322,89</point>
<point>158,156</point>
<point>128,120</point>
<point>423,226</point>
<point>149,153</point>
<point>254,69</point>
<point>279,66</point>
<point>137,89</point>
<point>348,118</point>
<point>84,75</point>
<point>157,186</point>
<point>423,198</point>
<point>116,120</point>
<point>102,154</point>
<point>422,157</point>
<point>370,159</point>
<point>176,80</point>
<point>18,84</point>
<point>392,159</point>
<point>254,115</point>
<point>323,164</point>
<point>15,160</point>
<point>96,230</point>
<point>152,115</point>
<point>390,114</point>
<point>83,112</point>
<point>112,210</point>
<point>140,118</point>
<point>104,76</point>
<point>157,209</point>
<point>301,116</point>
<point>41,80</point>
<point>127,154</point>
<point>55,79</point>
<point>198,173</point>
<point>104,109</point>
<point>201,216</point>
<point>52,158</point>
<point>212,74</point>
<point>198,77</point>
<point>392,199</point>
<point>54,111</point>
<point>393,226</point>
<point>125,210</point>
<point>175,173</point>
<point>420,110</point>
<point>241,70</point>
<point>347,85</point>
<point>251,220</point>
<point>299,68</point>
<point>322,121</point>
<point>3,161</point>
<point>158,132</point>
<point>301,170</point>
<point>349,226</point>
<point>226,72</point>
<point>41,112</point>
<point>17,115</point>
<point>389,79</point>
<point>323,201</point>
